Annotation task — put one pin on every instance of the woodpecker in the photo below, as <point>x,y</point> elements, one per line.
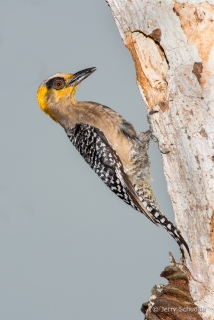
<point>108,143</point>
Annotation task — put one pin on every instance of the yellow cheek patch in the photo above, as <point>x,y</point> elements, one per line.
<point>47,98</point>
<point>62,94</point>
<point>41,95</point>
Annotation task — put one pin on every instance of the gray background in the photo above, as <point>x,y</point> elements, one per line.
<point>69,248</point>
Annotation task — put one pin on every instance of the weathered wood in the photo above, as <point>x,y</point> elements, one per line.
<point>172,301</point>
<point>172,45</point>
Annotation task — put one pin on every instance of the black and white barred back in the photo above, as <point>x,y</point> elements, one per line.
<point>95,149</point>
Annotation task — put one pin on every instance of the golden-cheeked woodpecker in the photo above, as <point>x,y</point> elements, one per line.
<point>108,143</point>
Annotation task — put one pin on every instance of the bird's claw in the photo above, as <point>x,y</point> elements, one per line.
<point>149,116</point>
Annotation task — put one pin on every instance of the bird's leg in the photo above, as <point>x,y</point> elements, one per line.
<point>152,135</point>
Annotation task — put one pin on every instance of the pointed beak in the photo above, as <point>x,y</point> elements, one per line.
<point>81,75</point>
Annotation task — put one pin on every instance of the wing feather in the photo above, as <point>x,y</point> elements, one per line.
<point>103,159</point>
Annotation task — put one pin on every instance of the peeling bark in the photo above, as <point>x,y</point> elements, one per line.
<point>172,301</point>
<point>151,74</point>
<point>172,45</point>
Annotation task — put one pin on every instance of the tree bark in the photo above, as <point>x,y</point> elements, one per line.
<point>172,45</point>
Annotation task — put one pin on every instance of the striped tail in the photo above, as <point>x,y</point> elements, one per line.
<point>171,229</point>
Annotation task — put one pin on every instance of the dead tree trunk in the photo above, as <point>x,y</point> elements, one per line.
<point>172,45</point>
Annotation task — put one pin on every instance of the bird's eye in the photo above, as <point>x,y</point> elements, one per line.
<point>58,84</point>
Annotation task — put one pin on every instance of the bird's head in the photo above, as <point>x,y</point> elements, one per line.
<point>60,88</point>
